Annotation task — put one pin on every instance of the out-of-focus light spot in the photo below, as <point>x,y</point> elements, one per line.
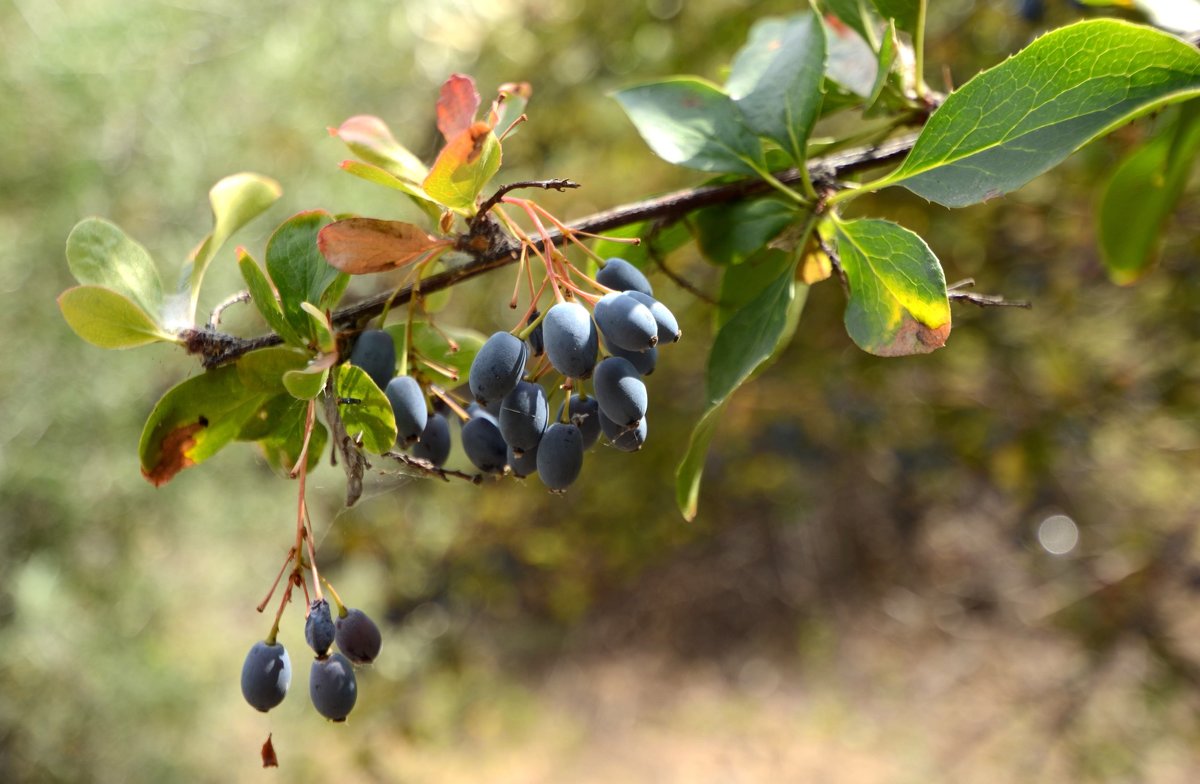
<point>576,64</point>
<point>664,9</point>
<point>653,42</point>
<point>1058,534</point>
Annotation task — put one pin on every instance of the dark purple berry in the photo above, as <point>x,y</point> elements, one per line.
<point>358,637</point>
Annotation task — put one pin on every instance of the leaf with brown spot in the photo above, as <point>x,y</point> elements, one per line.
<point>173,454</point>
<point>360,246</point>
<point>456,106</point>
<point>194,420</point>
<point>898,303</point>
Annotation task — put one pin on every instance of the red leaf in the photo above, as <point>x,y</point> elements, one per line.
<point>457,105</point>
<point>173,453</point>
<point>359,246</point>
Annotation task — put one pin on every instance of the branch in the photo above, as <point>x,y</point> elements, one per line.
<point>218,349</point>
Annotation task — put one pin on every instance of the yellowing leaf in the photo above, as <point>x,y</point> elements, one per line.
<point>463,168</point>
<point>107,319</point>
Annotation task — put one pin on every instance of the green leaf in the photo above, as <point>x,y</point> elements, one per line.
<point>298,269</point>
<point>278,427</point>
<point>888,51</point>
<point>1013,122</point>
<point>367,412</point>
<point>262,293</point>
<point>370,139</point>
<point>236,200</point>
<point>904,12</point>
<point>775,80</point>
<point>690,122</point>
<point>381,176</point>
<point>753,334</point>
<point>462,169</point>
<point>307,383</point>
<point>263,370</point>
<point>320,328</point>
<point>1143,192</point>
<point>107,319</point>
<point>100,254</point>
<point>898,303</point>
<point>748,343</point>
<point>193,421</point>
<point>691,469</point>
<point>858,14</point>
<point>431,344</point>
<point>850,62</point>
<point>741,283</point>
<point>729,234</point>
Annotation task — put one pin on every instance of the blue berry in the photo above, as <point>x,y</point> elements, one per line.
<point>375,353</point>
<point>619,275</point>
<point>625,322</point>
<point>483,443</point>
<point>409,408</point>
<point>584,414</point>
<point>571,339</point>
<point>318,627</point>
<point>523,416</point>
<point>434,443</point>
<point>332,686</point>
<point>497,367</point>
<point>266,675</point>
<point>620,391</point>
<point>560,456</point>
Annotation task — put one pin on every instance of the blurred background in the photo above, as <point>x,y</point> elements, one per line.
<point>973,566</point>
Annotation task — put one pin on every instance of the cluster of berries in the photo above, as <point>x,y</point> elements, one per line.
<point>332,686</point>
<point>631,324</point>
<point>509,426</point>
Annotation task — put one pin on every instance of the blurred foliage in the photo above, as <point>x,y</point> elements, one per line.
<point>836,481</point>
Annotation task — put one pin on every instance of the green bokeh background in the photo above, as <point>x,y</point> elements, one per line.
<point>863,597</point>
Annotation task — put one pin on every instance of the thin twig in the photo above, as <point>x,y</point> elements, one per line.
<point>989,300</point>
<point>550,185</point>
<point>215,319</point>
<point>426,468</point>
